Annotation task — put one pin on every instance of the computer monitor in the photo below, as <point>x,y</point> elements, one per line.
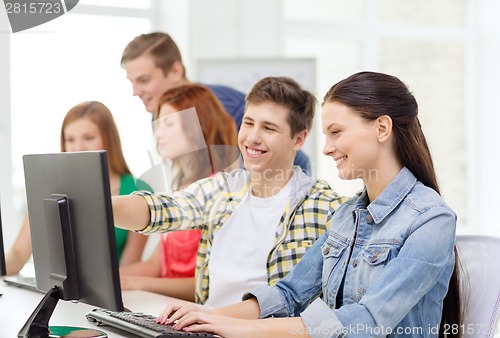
<point>3,268</point>
<point>72,232</point>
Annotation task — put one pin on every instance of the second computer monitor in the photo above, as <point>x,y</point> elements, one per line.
<point>3,267</point>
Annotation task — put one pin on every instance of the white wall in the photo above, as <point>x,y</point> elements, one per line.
<point>484,121</point>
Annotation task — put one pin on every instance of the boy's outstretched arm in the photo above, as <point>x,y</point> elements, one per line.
<point>130,212</point>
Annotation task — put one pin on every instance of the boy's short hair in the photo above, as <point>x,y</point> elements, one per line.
<point>159,45</point>
<point>286,92</point>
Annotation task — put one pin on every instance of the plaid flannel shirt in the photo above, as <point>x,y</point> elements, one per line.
<point>208,203</point>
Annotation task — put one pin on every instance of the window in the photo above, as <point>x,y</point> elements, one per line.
<point>423,42</point>
<point>119,3</point>
<point>71,59</point>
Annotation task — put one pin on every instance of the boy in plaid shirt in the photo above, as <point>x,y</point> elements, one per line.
<point>256,222</point>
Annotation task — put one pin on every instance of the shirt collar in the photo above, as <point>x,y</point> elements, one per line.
<point>390,197</point>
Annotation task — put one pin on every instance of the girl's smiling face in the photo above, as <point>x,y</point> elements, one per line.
<point>351,140</point>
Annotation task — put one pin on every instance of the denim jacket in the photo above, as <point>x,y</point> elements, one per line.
<point>391,261</point>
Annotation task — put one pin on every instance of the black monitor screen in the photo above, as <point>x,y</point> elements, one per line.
<point>3,268</point>
<point>71,224</point>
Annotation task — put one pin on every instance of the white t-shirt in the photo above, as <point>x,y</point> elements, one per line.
<point>240,250</point>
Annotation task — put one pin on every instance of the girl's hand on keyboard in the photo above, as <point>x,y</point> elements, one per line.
<point>223,326</point>
<point>175,311</point>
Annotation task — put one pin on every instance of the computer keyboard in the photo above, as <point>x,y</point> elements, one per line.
<point>140,324</point>
<point>24,282</point>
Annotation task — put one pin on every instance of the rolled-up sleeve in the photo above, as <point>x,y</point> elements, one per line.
<point>318,318</point>
<point>271,302</point>
<point>182,210</point>
<point>148,197</point>
<point>321,322</point>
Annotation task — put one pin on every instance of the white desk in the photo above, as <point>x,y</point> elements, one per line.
<point>16,305</point>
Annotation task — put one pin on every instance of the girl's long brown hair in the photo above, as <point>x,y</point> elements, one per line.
<point>217,126</point>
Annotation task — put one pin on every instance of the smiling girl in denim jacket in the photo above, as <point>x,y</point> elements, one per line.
<point>387,266</point>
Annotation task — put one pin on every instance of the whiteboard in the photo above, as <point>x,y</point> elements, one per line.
<point>242,74</point>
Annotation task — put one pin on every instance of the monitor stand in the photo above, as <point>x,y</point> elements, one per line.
<point>57,215</point>
<point>37,325</point>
